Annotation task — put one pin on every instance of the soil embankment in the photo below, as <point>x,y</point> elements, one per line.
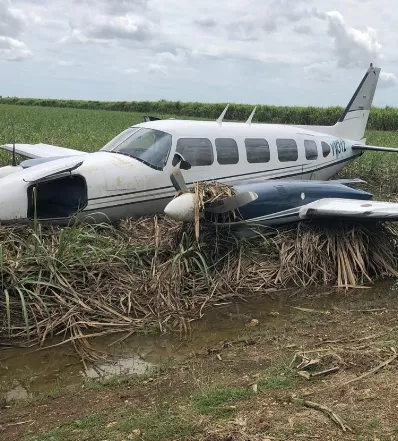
<point>338,354</point>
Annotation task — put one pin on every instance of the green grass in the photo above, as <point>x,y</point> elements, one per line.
<point>380,118</point>
<point>379,169</point>
<point>86,130</point>
<point>170,422</point>
<point>160,424</point>
<point>157,425</point>
<point>85,429</point>
<point>374,423</point>
<point>388,340</point>
<point>277,377</point>
<point>217,402</point>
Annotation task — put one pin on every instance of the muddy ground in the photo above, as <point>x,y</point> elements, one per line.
<point>267,383</point>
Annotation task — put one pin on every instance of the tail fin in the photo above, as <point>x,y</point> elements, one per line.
<point>353,121</point>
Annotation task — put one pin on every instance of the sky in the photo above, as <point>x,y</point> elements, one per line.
<point>276,52</point>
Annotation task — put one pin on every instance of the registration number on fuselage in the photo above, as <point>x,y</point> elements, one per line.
<point>338,146</point>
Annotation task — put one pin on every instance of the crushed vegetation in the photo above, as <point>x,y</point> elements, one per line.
<point>152,273</point>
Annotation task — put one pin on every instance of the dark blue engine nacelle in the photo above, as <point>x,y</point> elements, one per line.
<point>276,196</point>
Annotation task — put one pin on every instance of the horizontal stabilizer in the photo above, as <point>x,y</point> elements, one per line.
<point>351,209</point>
<point>34,151</point>
<point>148,118</point>
<point>374,148</point>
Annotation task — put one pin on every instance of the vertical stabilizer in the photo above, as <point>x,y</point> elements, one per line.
<point>353,121</point>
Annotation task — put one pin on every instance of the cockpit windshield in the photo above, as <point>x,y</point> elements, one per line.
<point>149,146</point>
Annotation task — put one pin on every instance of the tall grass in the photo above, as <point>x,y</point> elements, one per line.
<point>85,281</point>
<point>380,118</point>
<point>378,169</point>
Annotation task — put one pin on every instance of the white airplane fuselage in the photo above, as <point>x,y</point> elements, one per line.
<point>118,185</point>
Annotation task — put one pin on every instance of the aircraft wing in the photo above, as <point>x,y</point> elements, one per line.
<point>374,148</point>
<point>354,209</point>
<point>34,151</point>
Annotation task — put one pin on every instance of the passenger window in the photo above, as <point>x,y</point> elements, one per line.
<point>257,150</point>
<point>311,150</point>
<point>325,149</point>
<point>287,150</point>
<point>197,151</point>
<point>227,151</point>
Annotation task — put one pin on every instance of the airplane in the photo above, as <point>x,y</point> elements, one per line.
<point>130,175</point>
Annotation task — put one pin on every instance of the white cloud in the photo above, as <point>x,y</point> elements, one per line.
<point>129,27</point>
<point>280,11</point>
<point>304,29</point>
<point>167,56</point>
<point>12,24</point>
<point>178,56</point>
<point>102,29</point>
<point>205,22</point>
<point>116,7</point>
<point>110,22</point>
<point>130,71</point>
<point>66,63</point>
<point>247,28</point>
<point>387,80</point>
<point>319,71</point>
<point>270,51</point>
<point>12,20</point>
<point>157,68</point>
<point>123,6</point>
<point>13,50</point>
<point>353,48</point>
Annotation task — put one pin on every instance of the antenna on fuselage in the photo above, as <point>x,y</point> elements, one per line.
<point>249,120</point>
<point>221,117</point>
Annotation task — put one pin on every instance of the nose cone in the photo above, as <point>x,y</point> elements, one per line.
<point>182,208</point>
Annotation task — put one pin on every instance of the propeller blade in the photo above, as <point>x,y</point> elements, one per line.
<point>178,180</point>
<point>231,203</point>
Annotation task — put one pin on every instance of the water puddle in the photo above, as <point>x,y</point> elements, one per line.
<point>28,371</point>
<point>125,366</point>
<point>18,392</point>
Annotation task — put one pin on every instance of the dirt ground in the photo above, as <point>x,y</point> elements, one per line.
<point>325,374</point>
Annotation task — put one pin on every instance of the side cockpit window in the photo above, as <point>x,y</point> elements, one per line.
<point>197,151</point>
<point>325,149</point>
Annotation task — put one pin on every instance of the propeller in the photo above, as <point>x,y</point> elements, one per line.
<point>182,208</point>
<point>178,180</point>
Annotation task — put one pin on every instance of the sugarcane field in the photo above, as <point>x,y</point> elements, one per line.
<point>198,221</point>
